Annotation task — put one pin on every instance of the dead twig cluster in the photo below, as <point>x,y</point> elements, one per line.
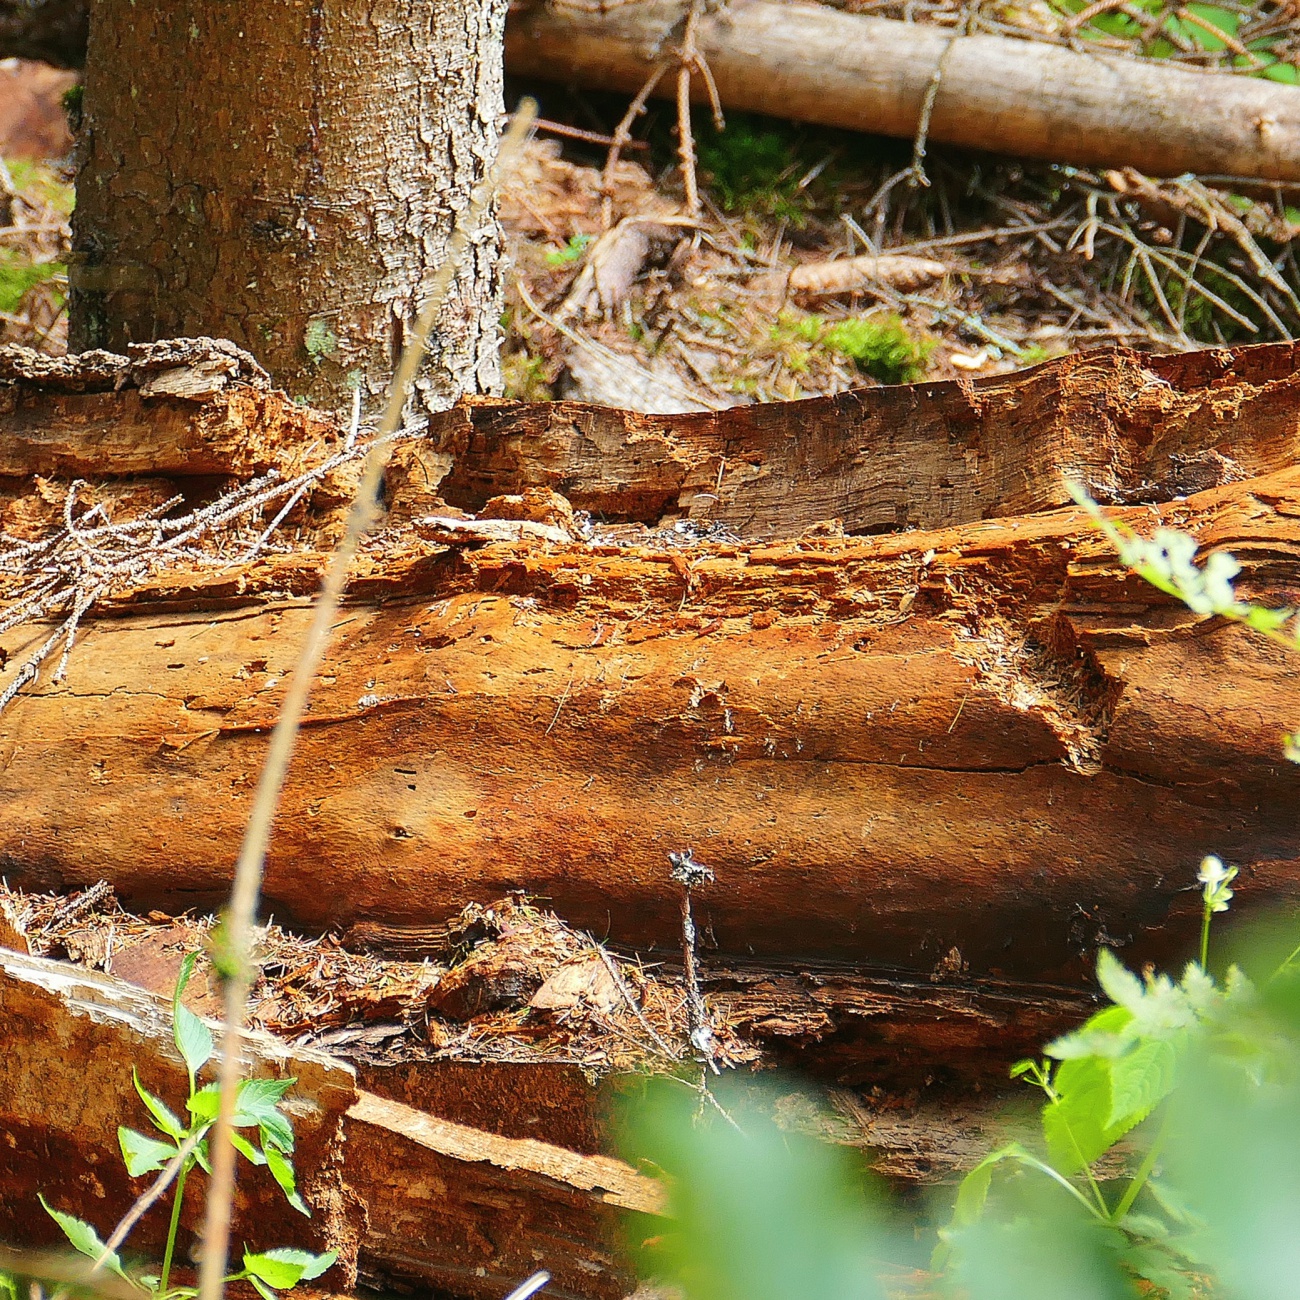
<point>63,575</point>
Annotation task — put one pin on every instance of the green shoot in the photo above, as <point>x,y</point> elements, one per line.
<point>258,1107</point>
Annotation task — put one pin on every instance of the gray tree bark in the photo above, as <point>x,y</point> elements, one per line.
<point>287,176</point>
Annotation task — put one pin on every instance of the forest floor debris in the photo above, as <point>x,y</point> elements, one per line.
<point>505,982</point>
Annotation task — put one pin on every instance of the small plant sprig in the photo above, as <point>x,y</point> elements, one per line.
<point>1167,560</point>
<point>1104,1080</point>
<point>182,1146</point>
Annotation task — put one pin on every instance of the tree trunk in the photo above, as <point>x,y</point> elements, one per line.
<point>287,177</point>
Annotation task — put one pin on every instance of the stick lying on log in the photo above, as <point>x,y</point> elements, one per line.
<point>988,738</point>
<point>406,1195</point>
<point>814,63</point>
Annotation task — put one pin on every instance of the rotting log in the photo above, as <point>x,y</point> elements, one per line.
<point>405,1195</point>
<point>815,63</point>
<point>985,748</point>
<point>1134,427</point>
<point>477,1213</point>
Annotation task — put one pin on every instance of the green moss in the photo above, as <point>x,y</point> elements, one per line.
<point>524,378</point>
<point>571,252</point>
<point>753,167</point>
<point>18,275</point>
<point>880,345</point>
<point>319,340</point>
<point>42,184</point>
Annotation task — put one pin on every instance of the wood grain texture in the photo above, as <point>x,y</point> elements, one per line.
<point>1133,427</point>
<point>987,738</point>
<point>814,63</point>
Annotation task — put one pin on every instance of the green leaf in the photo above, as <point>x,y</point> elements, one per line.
<point>277,1131</point>
<point>285,1267</point>
<point>1074,1126</point>
<point>162,1115</point>
<point>1139,1081</point>
<point>262,1289</point>
<point>83,1238</point>
<point>246,1149</point>
<point>1118,983</point>
<point>282,1171</point>
<point>1108,1033</point>
<point>205,1103</point>
<point>142,1154</point>
<point>193,1038</point>
<point>258,1103</point>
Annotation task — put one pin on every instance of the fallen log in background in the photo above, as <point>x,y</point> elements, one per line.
<point>988,739</point>
<point>1132,427</point>
<point>817,64</point>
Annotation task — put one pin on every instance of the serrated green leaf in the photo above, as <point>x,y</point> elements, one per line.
<point>258,1098</point>
<point>162,1115</point>
<point>285,1267</point>
<point>1139,1081</point>
<point>83,1238</point>
<point>262,1289</point>
<point>1074,1126</point>
<point>142,1154</point>
<point>277,1132</point>
<point>312,1265</point>
<point>201,1157</point>
<point>246,1148</point>
<point>280,1274</point>
<point>193,1039</point>
<point>282,1171</point>
<point>1107,1033</point>
<point>1118,983</point>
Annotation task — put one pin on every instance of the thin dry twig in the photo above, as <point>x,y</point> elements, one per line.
<point>149,1197</point>
<point>688,873</point>
<point>248,869</point>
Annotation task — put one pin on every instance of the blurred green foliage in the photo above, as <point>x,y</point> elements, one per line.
<point>18,274</point>
<point>1188,28</point>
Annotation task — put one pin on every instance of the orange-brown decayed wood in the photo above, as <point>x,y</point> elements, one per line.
<point>986,738</point>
